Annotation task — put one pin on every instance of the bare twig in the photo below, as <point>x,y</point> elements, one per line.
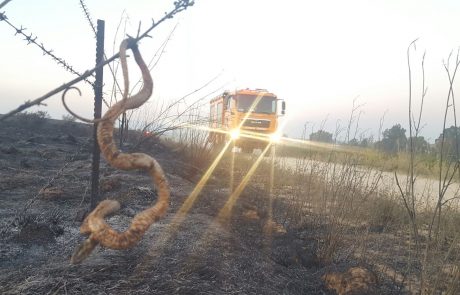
<point>357,123</point>
<point>411,139</point>
<point>158,54</point>
<point>127,119</point>
<point>165,122</point>
<point>424,91</point>
<point>354,108</point>
<point>323,123</point>
<point>442,184</point>
<point>446,180</point>
<point>382,120</point>
<point>114,67</point>
<point>408,195</point>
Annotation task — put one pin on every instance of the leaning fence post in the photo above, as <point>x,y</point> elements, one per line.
<point>97,113</point>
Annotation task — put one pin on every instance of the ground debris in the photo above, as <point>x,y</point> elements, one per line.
<point>253,253</point>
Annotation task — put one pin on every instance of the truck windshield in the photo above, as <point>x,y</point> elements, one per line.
<point>266,105</point>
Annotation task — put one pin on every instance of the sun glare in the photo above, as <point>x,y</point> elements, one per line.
<point>235,134</point>
<point>224,213</point>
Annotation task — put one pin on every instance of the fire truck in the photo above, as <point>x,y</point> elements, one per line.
<point>247,116</point>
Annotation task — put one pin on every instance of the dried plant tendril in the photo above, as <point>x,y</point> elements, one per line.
<point>94,225</point>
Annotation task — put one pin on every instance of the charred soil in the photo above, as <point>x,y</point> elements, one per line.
<point>45,172</point>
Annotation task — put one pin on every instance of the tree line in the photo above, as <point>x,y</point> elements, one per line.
<point>394,140</point>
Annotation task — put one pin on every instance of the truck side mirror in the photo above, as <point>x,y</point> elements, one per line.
<point>283,107</point>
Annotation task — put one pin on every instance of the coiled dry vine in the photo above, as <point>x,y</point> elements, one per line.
<point>94,224</point>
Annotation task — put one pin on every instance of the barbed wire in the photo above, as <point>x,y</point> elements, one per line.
<point>179,6</point>
<point>31,39</point>
<point>88,16</point>
<point>4,3</point>
<point>91,23</point>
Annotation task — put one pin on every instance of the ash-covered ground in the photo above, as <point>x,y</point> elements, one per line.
<point>45,171</point>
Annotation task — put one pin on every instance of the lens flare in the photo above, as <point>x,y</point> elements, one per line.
<point>224,213</point>
<point>275,137</point>
<point>235,134</point>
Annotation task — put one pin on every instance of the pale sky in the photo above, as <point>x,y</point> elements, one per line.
<point>317,55</point>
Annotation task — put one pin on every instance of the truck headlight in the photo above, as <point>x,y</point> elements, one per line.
<point>275,137</point>
<point>235,134</point>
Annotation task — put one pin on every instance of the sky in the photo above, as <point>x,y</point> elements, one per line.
<point>317,55</point>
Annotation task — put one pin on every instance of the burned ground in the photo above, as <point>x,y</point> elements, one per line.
<point>44,181</point>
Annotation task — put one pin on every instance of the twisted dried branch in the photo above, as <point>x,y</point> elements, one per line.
<point>94,224</point>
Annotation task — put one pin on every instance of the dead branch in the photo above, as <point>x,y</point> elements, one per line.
<point>158,54</point>
<point>354,108</point>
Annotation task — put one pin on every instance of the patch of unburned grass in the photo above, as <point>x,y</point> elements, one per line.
<point>426,164</point>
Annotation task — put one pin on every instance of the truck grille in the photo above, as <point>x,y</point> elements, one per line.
<point>257,123</point>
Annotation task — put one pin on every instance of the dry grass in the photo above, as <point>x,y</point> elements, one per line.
<point>344,211</point>
<point>322,218</point>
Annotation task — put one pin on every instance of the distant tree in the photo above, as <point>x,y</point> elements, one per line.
<point>322,136</point>
<point>68,118</point>
<point>362,142</point>
<point>451,136</point>
<point>420,144</point>
<point>366,141</point>
<point>354,142</point>
<point>394,140</point>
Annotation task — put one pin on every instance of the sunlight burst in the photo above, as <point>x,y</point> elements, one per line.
<point>224,213</point>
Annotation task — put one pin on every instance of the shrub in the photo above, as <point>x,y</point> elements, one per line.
<point>32,120</point>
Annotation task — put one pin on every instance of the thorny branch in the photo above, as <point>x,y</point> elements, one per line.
<point>165,122</point>
<point>31,39</point>
<point>179,6</point>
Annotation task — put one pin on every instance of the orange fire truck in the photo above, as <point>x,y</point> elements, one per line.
<point>249,117</point>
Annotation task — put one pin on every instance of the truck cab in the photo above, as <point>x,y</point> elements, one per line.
<point>250,117</point>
